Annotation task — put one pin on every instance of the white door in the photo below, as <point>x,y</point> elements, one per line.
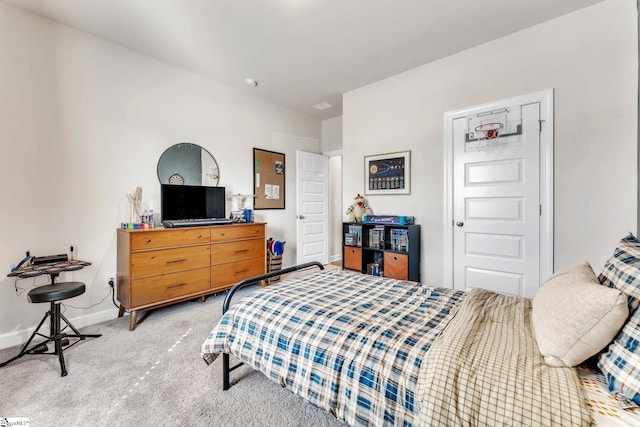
<point>497,208</point>
<point>312,186</point>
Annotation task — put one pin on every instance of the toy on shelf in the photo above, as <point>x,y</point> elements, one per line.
<point>358,209</point>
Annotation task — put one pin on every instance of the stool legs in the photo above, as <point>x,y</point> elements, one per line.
<point>56,336</point>
<point>72,327</point>
<point>25,348</point>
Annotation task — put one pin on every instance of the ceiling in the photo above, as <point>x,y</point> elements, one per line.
<point>301,52</point>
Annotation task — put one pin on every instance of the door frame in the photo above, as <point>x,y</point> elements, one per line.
<point>335,220</point>
<point>545,98</point>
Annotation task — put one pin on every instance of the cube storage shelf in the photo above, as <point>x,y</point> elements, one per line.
<point>395,248</point>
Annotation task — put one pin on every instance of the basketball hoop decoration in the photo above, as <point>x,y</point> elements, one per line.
<point>490,130</point>
<point>488,134</point>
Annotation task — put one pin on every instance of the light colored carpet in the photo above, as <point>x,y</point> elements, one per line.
<point>153,375</point>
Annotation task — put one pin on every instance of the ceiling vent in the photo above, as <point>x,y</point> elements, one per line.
<point>322,106</point>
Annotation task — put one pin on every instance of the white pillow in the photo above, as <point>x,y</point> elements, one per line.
<point>574,316</point>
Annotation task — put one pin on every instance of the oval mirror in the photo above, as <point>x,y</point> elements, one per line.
<point>188,164</point>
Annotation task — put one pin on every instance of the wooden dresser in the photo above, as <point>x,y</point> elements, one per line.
<point>163,266</point>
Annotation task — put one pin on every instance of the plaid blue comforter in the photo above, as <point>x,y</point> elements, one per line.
<point>351,344</point>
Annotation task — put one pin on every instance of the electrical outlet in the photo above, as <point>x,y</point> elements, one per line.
<point>111,281</point>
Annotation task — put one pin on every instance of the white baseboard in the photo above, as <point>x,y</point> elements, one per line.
<point>334,258</point>
<point>15,338</point>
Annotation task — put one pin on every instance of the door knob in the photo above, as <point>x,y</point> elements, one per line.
<point>300,216</point>
<point>459,223</point>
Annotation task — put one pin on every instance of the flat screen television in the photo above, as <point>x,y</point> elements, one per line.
<point>191,202</point>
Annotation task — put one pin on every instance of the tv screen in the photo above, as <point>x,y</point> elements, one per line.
<point>191,202</point>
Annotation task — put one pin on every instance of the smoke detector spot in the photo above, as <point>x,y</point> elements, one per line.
<point>251,82</point>
<point>323,106</point>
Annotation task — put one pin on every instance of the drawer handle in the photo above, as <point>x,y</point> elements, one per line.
<point>176,260</point>
<point>242,271</point>
<point>395,258</point>
<point>242,251</point>
<point>176,285</point>
<point>148,240</point>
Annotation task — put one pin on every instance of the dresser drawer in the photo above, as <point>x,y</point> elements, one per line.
<point>169,286</point>
<point>227,274</point>
<point>222,253</point>
<point>166,261</point>
<point>231,232</point>
<point>396,266</point>
<point>165,238</point>
<point>352,258</point>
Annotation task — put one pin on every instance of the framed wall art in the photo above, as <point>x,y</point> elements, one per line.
<point>388,173</point>
<point>268,179</point>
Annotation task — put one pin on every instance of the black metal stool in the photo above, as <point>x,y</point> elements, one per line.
<point>53,294</point>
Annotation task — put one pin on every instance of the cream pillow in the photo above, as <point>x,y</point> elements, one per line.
<point>574,316</point>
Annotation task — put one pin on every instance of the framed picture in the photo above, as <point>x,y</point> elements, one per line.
<point>388,173</point>
<point>268,179</point>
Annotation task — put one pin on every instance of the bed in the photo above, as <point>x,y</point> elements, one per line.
<point>375,351</point>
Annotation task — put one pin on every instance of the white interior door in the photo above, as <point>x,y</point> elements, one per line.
<point>496,202</point>
<point>312,187</point>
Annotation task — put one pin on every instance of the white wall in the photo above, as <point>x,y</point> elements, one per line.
<point>83,123</point>
<point>331,135</point>
<point>589,58</point>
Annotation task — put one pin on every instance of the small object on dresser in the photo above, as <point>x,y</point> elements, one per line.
<point>147,217</point>
<point>135,199</point>
<point>247,215</point>
<point>135,226</point>
<point>238,216</point>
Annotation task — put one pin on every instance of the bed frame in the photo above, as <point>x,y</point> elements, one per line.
<point>226,369</point>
